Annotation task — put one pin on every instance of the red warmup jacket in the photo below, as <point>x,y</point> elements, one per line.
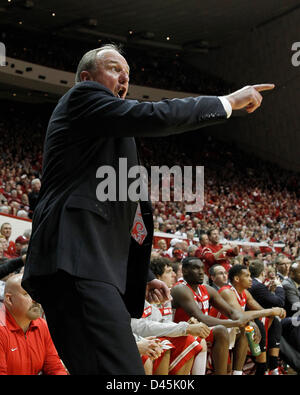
<point>209,259</point>
<point>27,353</point>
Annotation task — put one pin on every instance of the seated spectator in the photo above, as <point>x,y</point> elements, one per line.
<point>269,296</point>
<point>203,240</point>
<point>192,290</point>
<point>4,209</point>
<point>190,237</point>
<point>26,347</point>
<point>175,243</point>
<point>291,324</point>
<point>22,213</point>
<point>291,286</point>
<point>214,252</point>
<point>282,264</point>
<point>270,276</point>
<point>218,276</point>
<point>163,248</point>
<point>4,244</point>
<point>20,243</point>
<point>181,231</point>
<point>178,255</point>
<point>5,231</point>
<point>247,260</point>
<point>258,254</point>
<point>179,337</point>
<point>33,195</point>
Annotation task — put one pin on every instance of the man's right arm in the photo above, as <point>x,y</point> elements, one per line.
<point>95,109</point>
<point>10,266</point>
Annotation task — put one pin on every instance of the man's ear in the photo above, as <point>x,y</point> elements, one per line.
<point>7,299</point>
<point>85,76</point>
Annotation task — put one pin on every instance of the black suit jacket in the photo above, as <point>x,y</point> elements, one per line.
<point>266,298</point>
<point>72,230</point>
<point>33,199</point>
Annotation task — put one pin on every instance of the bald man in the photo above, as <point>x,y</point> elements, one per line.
<point>26,347</point>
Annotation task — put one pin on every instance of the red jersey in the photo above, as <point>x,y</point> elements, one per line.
<point>241,298</point>
<point>198,252</point>
<point>11,250</point>
<point>27,353</point>
<point>209,259</point>
<point>201,297</point>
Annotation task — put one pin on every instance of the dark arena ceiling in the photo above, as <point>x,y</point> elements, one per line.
<point>191,25</point>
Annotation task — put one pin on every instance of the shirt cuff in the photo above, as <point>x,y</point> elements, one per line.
<point>226,105</point>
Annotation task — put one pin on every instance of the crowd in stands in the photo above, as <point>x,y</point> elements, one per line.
<point>249,200</point>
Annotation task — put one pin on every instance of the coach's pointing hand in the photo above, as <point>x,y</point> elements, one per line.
<point>248,97</point>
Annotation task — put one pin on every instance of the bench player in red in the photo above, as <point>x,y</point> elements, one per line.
<point>236,294</point>
<point>180,340</point>
<point>193,299</point>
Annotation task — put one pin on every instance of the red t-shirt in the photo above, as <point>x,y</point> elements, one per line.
<point>209,259</point>
<point>27,353</point>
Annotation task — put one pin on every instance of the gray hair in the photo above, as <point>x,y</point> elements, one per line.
<point>88,61</point>
<point>35,181</point>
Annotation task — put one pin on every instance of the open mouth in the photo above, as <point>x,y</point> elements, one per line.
<point>121,93</point>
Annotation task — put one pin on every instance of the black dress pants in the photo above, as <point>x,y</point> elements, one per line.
<point>291,331</point>
<point>274,334</point>
<point>89,325</point>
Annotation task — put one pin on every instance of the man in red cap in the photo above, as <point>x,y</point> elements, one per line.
<point>20,243</point>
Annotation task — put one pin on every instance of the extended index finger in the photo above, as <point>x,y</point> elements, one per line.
<point>263,87</point>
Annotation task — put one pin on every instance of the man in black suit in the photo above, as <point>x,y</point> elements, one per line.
<point>83,266</point>
<point>268,297</point>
